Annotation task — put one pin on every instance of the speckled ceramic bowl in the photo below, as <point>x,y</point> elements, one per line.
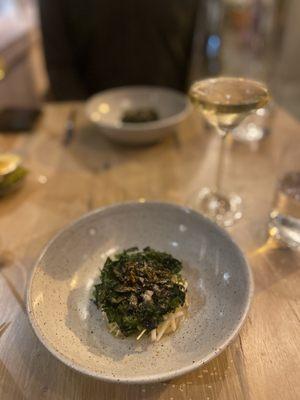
<point>70,326</point>
<point>106,109</point>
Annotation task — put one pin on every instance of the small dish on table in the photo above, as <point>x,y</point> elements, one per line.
<point>12,173</point>
<point>138,114</point>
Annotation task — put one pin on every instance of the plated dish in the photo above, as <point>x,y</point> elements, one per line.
<point>142,292</point>
<point>12,173</point>
<point>138,114</point>
<point>61,295</point>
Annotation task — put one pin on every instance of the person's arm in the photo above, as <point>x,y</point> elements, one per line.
<point>64,78</point>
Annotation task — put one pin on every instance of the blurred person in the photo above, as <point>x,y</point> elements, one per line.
<point>92,45</point>
<point>285,79</point>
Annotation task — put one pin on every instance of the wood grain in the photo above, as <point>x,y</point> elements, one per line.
<point>262,363</point>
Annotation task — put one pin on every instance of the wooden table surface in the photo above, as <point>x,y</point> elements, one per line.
<point>65,182</point>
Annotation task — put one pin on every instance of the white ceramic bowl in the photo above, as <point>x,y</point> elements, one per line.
<point>106,109</point>
<point>70,326</point>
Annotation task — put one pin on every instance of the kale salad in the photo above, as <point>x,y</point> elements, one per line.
<point>142,292</point>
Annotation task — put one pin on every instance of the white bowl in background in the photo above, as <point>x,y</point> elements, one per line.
<point>106,109</point>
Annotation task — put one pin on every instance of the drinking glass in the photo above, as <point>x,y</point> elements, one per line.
<point>285,217</point>
<point>224,102</point>
<point>255,127</point>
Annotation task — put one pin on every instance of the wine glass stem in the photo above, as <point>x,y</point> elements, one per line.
<point>220,165</point>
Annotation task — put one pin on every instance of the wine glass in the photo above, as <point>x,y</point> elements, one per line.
<point>224,102</point>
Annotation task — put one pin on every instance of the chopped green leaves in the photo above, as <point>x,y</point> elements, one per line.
<point>146,114</point>
<point>137,288</point>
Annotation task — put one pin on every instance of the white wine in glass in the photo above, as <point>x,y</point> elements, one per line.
<point>224,102</point>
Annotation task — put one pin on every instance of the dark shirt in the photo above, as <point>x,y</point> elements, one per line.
<point>91,45</point>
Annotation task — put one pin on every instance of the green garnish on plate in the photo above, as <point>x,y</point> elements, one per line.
<point>138,289</point>
<point>11,181</point>
<point>140,115</point>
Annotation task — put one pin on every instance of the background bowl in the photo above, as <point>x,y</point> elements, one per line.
<point>106,110</point>
<point>71,327</point>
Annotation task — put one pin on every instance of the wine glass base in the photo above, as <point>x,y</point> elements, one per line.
<point>224,210</point>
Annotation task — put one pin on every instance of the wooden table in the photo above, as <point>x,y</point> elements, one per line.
<point>65,182</point>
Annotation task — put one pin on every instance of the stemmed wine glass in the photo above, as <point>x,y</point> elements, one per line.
<point>224,102</point>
